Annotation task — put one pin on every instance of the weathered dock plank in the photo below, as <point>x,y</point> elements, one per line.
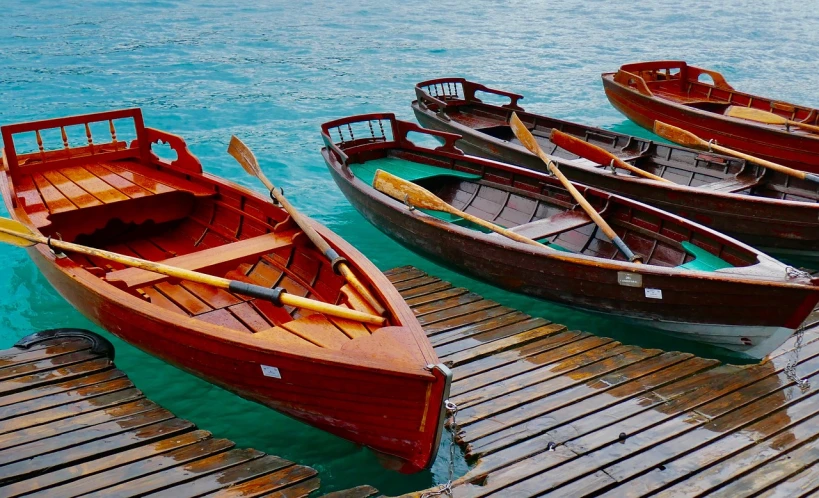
<point>72,424</point>
<point>547,411</point>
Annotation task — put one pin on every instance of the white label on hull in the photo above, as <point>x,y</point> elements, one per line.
<point>654,293</point>
<point>269,371</point>
<point>629,279</point>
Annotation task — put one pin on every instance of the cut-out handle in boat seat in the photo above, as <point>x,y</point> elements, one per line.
<point>553,225</point>
<point>218,260</point>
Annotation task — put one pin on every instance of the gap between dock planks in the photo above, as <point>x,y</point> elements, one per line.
<point>71,424</point>
<point>548,411</point>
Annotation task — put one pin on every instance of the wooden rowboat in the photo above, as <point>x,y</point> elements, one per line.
<point>695,282</point>
<point>697,100</point>
<point>764,208</point>
<point>378,386</point>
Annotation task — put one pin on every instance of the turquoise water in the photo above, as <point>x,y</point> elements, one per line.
<point>272,72</point>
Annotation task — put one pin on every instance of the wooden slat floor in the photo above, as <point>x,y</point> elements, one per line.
<point>548,411</point>
<point>71,424</point>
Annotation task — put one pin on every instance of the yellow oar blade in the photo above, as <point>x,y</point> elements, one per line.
<point>678,135</point>
<point>524,135</point>
<point>757,115</point>
<point>10,231</point>
<point>405,191</point>
<point>417,196</point>
<point>243,156</point>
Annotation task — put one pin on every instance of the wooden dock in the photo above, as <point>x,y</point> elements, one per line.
<point>543,410</point>
<point>71,424</point>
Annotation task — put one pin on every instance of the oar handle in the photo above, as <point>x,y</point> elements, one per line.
<point>304,224</point>
<point>273,295</point>
<point>768,164</point>
<point>804,126</point>
<point>589,209</point>
<point>277,296</point>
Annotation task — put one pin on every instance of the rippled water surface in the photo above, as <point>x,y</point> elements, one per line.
<point>272,72</point>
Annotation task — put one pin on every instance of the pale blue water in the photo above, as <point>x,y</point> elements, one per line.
<point>272,72</point>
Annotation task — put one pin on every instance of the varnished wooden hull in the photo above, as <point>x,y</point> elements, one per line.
<point>366,391</point>
<point>696,301</point>
<point>780,226</point>
<point>777,145</point>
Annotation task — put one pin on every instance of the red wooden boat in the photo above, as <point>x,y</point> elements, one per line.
<point>696,99</point>
<point>381,387</point>
<point>767,209</point>
<point>694,282</point>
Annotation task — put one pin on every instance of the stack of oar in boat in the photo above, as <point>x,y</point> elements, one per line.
<point>582,246</point>
<point>212,277</point>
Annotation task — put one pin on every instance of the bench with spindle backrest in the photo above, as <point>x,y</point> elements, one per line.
<point>73,189</point>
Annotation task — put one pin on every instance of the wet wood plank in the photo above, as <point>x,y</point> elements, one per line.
<point>446,303</point>
<point>16,356</point>
<point>489,335</point>
<point>410,274</point>
<point>317,329</point>
<point>456,311</point>
<point>425,289</point>
<point>239,473</point>
<point>71,396</point>
<point>248,315</point>
<point>224,318</point>
<point>74,423</point>
<point>51,376</point>
<point>356,492</point>
<point>94,376</point>
<point>93,185</point>
<point>53,198</point>
<point>571,414</point>
<point>101,399</point>
<point>435,296</point>
<point>182,298</point>
<point>293,481</point>
<point>185,473</point>
<point>71,423</point>
<point>77,195</point>
<point>460,327</point>
<point>101,472</point>
<point>126,187</point>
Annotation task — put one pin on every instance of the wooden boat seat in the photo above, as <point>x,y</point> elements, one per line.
<point>225,256</point>
<point>82,199</point>
<point>732,184</point>
<point>103,191</point>
<point>685,99</point>
<point>547,227</point>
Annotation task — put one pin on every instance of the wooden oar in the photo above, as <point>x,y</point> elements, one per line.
<point>15,233</point>
<point>766,117</point>
<point>419,197</point>
<point>597,154</point>
<point>688,139</point>
<point>528,141</point>
<point>247,159</point>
